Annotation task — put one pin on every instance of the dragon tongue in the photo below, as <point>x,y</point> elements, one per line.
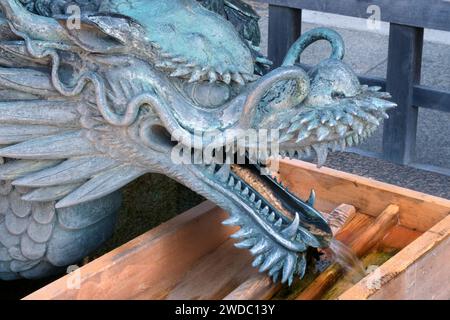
<point>322,153</point>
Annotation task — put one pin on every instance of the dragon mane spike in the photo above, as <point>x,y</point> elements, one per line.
<point>20,168</point>
<point>68,172</point>
<point>27,80</point>
<point>39,112</point>
<point>13,133</point>
<point>66,145</point>
<point>50,193</point>
<point>101,185</point>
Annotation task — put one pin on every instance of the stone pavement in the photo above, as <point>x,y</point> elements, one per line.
<point>366,53</point>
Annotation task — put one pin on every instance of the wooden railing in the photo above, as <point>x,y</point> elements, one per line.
<point>407,19</point>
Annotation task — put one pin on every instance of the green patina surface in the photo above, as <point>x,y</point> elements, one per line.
<point>174,26</point>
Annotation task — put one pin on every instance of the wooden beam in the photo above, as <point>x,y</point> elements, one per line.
<point>432,14</point>
<point>284,29</point>
<point>404,68</point>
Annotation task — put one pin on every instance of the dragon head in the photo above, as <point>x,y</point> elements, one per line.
<point>156,83</point>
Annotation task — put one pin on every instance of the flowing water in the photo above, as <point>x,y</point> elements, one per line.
<point>344,256</point>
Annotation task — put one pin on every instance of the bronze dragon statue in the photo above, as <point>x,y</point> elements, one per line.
<point>95,93</point>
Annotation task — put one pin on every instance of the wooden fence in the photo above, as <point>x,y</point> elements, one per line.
<point>407,19</point>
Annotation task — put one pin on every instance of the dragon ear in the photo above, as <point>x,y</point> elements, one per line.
<point>101,32</point>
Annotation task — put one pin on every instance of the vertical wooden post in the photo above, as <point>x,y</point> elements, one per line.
<point>404,68</point>
<point>284,29</point>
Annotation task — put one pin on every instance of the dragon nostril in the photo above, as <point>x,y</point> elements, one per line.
<point>338,95</point>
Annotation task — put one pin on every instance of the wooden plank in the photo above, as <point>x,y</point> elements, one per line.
<point>284,30</point>
<point>149,266</point>
<point>404,69</point>
<point>418,211</point>
<point>430,98</point>
<point>432,14</point>
<point>398,238</point>
<point>216,275</point>
<point>420,271</point>
<point>257,287</point>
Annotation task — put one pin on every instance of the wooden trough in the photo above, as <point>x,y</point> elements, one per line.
<point>191,256</point>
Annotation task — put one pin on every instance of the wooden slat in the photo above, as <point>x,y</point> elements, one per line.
<point>430,98</point>
<point>284,30</point>
<point>432,14</point>
<point>257,287</point>
<point>404,69</point>
<point>399,237</point>
<point>149,266</point>
<point>420,271</point>
<point>418,211</point>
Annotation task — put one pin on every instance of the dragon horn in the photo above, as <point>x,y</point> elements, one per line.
<point>264,84</point>
<point>35,26</point>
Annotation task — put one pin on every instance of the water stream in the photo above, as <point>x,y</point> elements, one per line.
<point>344,256</point>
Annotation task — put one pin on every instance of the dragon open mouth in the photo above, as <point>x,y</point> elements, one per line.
<point>278,227</point>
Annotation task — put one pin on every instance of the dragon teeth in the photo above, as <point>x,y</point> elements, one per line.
<point>246,244</point>
<point>233,221</point>
<point>291,230</point>
<point>341,130</point>
<point>242,233</point>
<point>278,223</point>
<point>211,169</point>
<point>180,72</point>
<point>252,197</point>
<point>258,204</point>
<point>212,75</point>
<point>223,173</point>
<point>261,247</point>
<point>308,151</point>
<point>231,182</point>
<point>322,153</point>
<point>349,141</point>
<point>271,217</point>
<point>196,76</point>
<point>265,211</point>
<point>258,260</point>
<point>238,186</point>
<point>246,191</point>
<point>238,79</point>
<point>226,77</point>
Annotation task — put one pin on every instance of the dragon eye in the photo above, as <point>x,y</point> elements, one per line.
<point>208,95</point>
